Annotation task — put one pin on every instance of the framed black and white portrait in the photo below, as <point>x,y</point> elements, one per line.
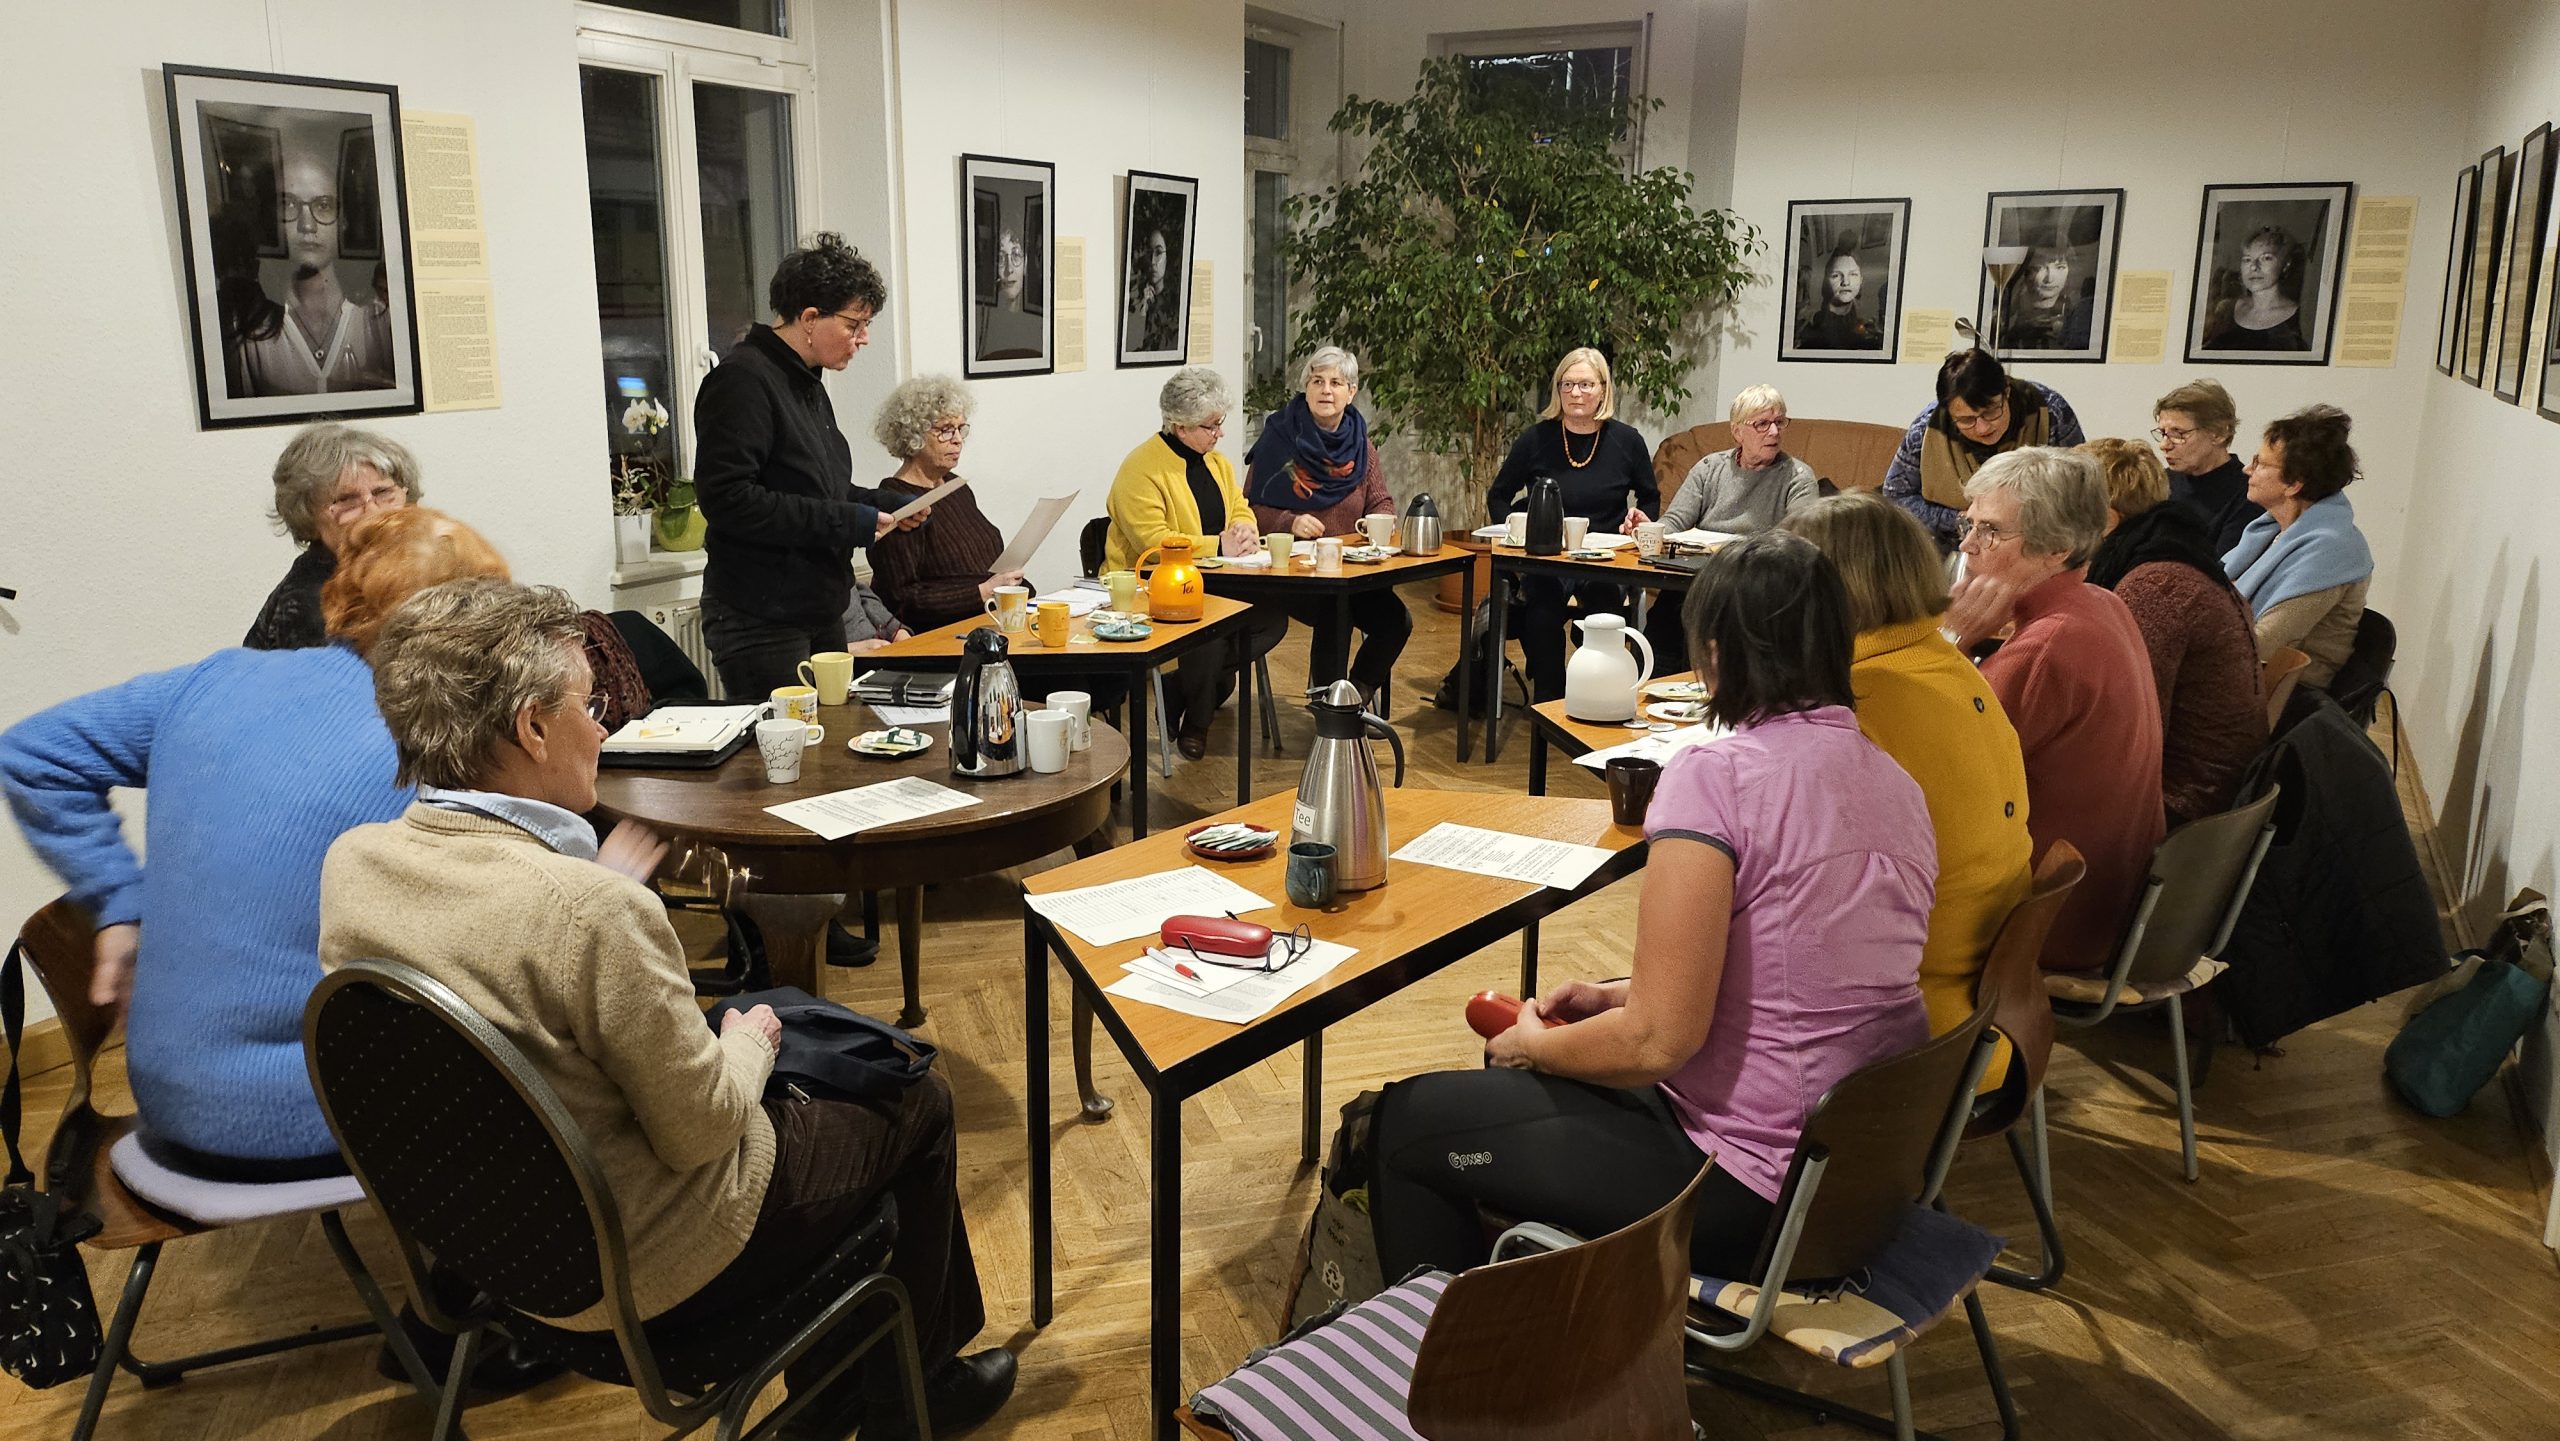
<point>294,228</point>
<point>1158,225</point>
<point>2520,269</point>
<point>2056,304</point>
<point>1006,206</point>
<point>2480,282</point>
<point>2268,262</point>
<point>2457,270</point>
<point>1844,280</point>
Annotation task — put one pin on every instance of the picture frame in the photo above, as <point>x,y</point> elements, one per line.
<point>1159,225</point>
<point>1859,246</point>
<point>2541,392</point>
<point>2057,306</point>
<point>1008,257</point>
<point>2457,270</point>
<point>258,285</point>
<point>2269,263</point>
<point>2488,222</point>
<point>2520,268</point>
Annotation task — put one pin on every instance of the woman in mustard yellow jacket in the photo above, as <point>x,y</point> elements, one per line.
<point>1176,483</point>
<point>1926,706</point>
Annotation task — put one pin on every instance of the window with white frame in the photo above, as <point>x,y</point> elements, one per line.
<point>1570,65</point>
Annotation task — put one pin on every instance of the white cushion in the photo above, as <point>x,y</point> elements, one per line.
<point>224,1203</point>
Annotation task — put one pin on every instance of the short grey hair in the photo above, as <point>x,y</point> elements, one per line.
<point>312,462</point>
<point>458,661</point>
<point>1193,394</point>
<point>1334,358</point>
<point>915,407</point>
<point>1755,399</point>
<point>2062,499</point>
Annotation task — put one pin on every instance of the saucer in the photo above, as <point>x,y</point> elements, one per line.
<point>1676,690</point>
<point>1687,712</point>
<point>1122,630</point>
<point>893,742</point>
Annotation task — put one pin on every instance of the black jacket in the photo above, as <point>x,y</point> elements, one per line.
<point>2341,913</point>
<point>774,478</point>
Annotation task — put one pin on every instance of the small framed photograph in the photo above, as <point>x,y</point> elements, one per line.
<point>1158,225</point>
<point>2480,281</point>
<point>2268,262</point>
<point>1843,280</point>
<point>2520,270</point>
<point>2457,270</point>
<point>2055,306</point>
<point>1005,210</point>
<point>294,231</point>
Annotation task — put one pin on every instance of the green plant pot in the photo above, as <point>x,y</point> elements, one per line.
<point>680,528</point>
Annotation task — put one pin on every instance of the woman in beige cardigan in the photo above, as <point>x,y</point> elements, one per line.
<point>494,885</point>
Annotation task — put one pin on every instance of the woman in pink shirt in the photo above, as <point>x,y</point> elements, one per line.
<point>1777,949</point>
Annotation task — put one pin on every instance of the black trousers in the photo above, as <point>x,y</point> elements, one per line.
<point>1384,625</point>
<point>1453,1147</point>
<point>755,656</point>
<point>1204,679</point>
<point>1544,600</point>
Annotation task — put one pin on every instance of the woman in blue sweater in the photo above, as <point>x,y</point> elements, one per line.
<point>254,762</point>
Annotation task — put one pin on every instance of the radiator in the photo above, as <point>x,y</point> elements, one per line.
<point>682,622</point>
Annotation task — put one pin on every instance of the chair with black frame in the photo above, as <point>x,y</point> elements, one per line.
<point>2200,879</point>
<point>81,1164</point>
<point>2011,988</point>
<point>2366,673</point>
<point>491,1138</point>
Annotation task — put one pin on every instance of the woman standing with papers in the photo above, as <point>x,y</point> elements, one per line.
<point>1777,949</point>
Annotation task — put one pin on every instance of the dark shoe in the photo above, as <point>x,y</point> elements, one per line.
<point>502,1370</point>
<point>844,948</point>
<point>964,1394</point>
<point>1192,744</point>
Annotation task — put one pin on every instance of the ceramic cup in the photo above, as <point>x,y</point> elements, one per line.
<point>1329,556</point>
<point>780,742</point>
<point>1278,543</point>
<point>1123,586</point>
<point>1577,529</point>
<point>1380,529</point>
<point>1649,538</point>
<point>1515,528</point>
<point>830,672</point>
<point>1048,739</point>
<point>1051,624</point>
<point>1011,606</point>
<point>1078,704</point>
<point>795,702</point>
<point>1310,875</point>
<point>1631,783</point>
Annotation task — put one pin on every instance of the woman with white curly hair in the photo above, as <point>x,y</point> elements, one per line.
<point>943,570</point>
<point>328,477</point>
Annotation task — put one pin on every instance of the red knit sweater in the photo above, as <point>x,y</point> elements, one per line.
<point>2204,662</point>
<point>2076,682</point>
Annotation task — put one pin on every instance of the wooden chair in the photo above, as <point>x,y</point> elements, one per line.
<point>59,943</point>
<point>1846,454</point>
<point>2200,879</point>
<point>2277,676</point>
<point>2011,988</point>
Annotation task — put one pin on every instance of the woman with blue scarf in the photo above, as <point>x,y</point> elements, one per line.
<point>2303,566</point>
<point>1313,472</point>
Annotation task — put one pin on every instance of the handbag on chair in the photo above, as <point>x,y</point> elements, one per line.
<point>48,1318</point>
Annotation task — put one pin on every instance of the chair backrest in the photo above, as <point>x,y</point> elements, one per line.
<point>60,946</point>
<point>1090,543</point>
<point>2367,669</point>
<point>2198,877</point>
<point>2011,987</point>
<point>2277,677</point>
<point>1564,1344</point>
<point>466,1150</point>
<point>670,673</point>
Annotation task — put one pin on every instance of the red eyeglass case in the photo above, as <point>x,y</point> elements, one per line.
<point>1218,935</point>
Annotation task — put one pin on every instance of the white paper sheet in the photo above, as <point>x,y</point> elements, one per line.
<point>1451,846</point>
<point>928,498</point>
<point>683,728</point>
<point>910,716</point>
<point>1247,1001</point>
<point>1655,745</point>
<point>1139,906</point>
<point>838,814</point>
<point>1080,601</point>
<point>1701,538</point>
<point>1603,540</point>
<point>1026,541</point>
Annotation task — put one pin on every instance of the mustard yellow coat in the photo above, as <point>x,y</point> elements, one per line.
<point>1151,499</point>
<point>1926,706</point>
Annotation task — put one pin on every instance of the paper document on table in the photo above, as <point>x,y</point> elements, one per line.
<point>1656,746</point>
<point>1080,600</point>
<point>1139,906</point>
<point>1702,539</point>
<point>1451,846</point>
<point>928,498</point>
<point>683,728</point>
<point>1604,540</point>
<point>909,716</point>
<point>1238,1004</point>
<point>1027,539</point>
<point>838,814</point>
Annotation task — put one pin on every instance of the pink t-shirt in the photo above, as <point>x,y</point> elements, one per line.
<point>1834,868</point>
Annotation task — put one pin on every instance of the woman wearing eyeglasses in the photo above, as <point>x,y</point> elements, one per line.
<point>941,571</point>
<point>1981,411</point>
<point>1313,472</point>
<point>2194,425</point>
<point>319,341</point>
<point>328,477</point>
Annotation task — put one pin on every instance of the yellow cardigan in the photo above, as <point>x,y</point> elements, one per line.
<point>1151,499</point>
<point>1926,706</point>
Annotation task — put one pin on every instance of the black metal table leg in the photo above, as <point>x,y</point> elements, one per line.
<point>1035,1105</point>
<point>1246,719</point>
<point>1311,1087</point>
<point>1466,652</point>
<point>1493,673</point>
<point>1140,694</point>
<point>1537,761</point>
<point>1164,1266</point>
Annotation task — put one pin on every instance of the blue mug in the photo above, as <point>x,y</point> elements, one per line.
<point>1310,878</point>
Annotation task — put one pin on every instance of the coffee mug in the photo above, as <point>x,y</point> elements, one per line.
<point>795,702</point>
<point>1329,556</point>
<point>1048,739</point>
<point>1631,783</point>
<point>780,742</point>
<point>1515,528</point>
<point>1051,624</point>
<point>1380,529</point>
<point>1310,876</point>
<point>1577,529</point>
<point>1278,543</point>
<point>1011,606</point>
<point>1123,587</point>
<point>1078,704</point>
<point>831,672</point>
<point>1649,538</point>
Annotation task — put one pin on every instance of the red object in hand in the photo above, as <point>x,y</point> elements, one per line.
<point>1490,1013</point>
<point>1217,935</point>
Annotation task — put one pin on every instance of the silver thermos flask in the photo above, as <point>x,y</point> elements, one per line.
<point>1422,527</point>
<point>1340,802</point>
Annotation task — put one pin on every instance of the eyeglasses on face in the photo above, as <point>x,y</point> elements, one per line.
<point>1578,387</point>
<point>1996,413</point>
<point>323,209</point>
<point>1985,532</point>
<point>951,432</point>
<point>860,325</point>
<point>593,703</point>
<point>1287,946</point>
<point>1771,425</point>
<point>374,498</point>
<point>2166,436</point>
<point>1214,425</point>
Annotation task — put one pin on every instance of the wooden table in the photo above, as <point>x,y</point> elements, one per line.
<point>1550,726</point>
<point>1510,561</point>
<point>1298,581</point>
<point>939,649</point>
<point>1421,921</point>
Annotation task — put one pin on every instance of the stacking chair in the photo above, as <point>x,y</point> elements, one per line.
<point>1089,550</point>
<point>96,1164</point>
<point>2200,879</point>
<point>2360,681</point>
<point>471,1156</point>
<point>2276,679</point>
<point>2011,988</point>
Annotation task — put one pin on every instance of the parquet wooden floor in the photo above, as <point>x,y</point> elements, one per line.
<point>2344,1267</point>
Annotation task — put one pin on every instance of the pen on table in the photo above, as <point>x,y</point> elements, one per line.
<point>1187,973</point>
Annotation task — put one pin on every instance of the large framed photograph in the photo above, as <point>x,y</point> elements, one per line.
<point>2056,306</point>
<point>294,228</point>
<point>2520,270</point>
<point>2488,222</point>
<point>1843,280</point>
<point>2268,263</point>
<point>1158,225</point>
<point>2457,270</point>
<point>1006,212</point>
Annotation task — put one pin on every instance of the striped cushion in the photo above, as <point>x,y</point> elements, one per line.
<point>1343,1380</point>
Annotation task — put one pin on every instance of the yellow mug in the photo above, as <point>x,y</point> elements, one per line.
<point>1051,623</point>
<point>795,702</point>
<point>1123,585</point>
<point>831,672</point>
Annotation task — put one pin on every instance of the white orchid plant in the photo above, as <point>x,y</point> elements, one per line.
<point>640,483</point>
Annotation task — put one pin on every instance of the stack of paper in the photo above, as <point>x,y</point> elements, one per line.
<point>838,814</point>
<point>1702,539</point>
<point>904,687</point>
<point>1080,601</point>
<point>1560,864</point>
<point>1656,746</point>
<point>1125,910</point>
<point>1223,993</point>
<point>683,728</point>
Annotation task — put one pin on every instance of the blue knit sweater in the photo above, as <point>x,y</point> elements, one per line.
<point>254,762</point>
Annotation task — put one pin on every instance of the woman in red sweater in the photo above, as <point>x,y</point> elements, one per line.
<point>2075,679</point>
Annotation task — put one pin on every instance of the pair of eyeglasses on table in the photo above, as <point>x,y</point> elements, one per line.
<point>1286,947</point>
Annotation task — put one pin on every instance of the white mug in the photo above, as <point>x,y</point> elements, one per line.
<point>780,742</point>
<point>1078,704</point>
<point>1577,529</point>
<point>1380,529</point>
<point>1649,538</point>
<point>1329,556</point>
<point>1515,528</point>
<point>1047,734</point>
<point>1011,606</point>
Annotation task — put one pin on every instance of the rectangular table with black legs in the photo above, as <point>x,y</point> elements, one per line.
<point>1299,581</point>
<point>1511,562</point>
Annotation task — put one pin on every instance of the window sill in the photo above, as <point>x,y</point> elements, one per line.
<point>662,565</point>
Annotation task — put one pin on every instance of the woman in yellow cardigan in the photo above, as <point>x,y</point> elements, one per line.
<point>1176,483</point>
<point>1926,706</point>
